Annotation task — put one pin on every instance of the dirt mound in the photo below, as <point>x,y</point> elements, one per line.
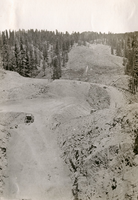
<point>12,118</point>
<point>98,97</point>
<point>19,87</point>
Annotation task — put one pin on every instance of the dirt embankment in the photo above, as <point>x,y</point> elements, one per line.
<point>101,152</point>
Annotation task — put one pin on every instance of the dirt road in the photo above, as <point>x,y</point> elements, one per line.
<point>34,164</point>
<point>33,153</point>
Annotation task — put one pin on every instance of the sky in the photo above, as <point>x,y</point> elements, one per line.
<point>117,16</point>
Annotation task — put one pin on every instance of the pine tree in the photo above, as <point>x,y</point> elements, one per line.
<point>23,51</point>
<point>118,50</point>
<point>22,58</point>
<point>112,50</point>
<point>36,55</point>
<point>27,62</point>
<point>44,66</point>
<point>32,60</point>
<point>17,57</point>
<point>11,38</point>
<point>5,52</point>
<point>45,53</point>
<point>57,48</point>
<point>63,59</point>
<point>56,67</point>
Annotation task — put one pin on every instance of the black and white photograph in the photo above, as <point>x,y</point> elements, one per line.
<point>68,99</point>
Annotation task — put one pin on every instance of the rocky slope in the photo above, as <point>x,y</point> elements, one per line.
<point>102,154</point>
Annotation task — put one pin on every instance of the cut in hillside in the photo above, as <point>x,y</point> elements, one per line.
<point>69,139</point>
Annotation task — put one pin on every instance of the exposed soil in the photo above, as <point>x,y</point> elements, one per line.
<point>80,139</point>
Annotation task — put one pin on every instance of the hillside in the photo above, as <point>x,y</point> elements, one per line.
<point>94,63</point>
<point>70,139</point>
